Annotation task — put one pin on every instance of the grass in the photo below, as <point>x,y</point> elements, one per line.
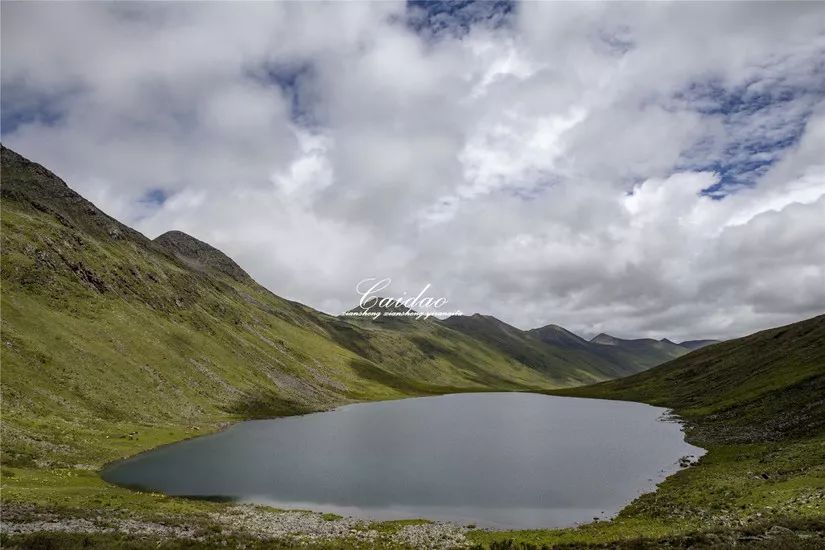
<point>78,493</point>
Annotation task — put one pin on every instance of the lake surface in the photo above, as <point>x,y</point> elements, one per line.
<point>503,460</point>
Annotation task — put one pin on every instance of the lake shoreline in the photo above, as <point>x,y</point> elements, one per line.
<point>696,476</point>
<point>374,513</point>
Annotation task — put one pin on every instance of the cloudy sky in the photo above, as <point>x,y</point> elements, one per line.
<point>641,169</point>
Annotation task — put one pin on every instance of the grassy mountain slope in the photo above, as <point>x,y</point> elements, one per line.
<point>559,351</point>
<point>641,353</point>
<point>766,386</point>
<point>571,363</point>
<point>201,256</point>
<point>757,404</point>
<point>105,332</point>
<point>696,344</point>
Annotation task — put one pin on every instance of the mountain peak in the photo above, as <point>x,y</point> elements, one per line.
<point>486,325</point>
<point>554,328</point>
<point>557,335</point>
<point>605,339</point>
<point>200,255</point>
<point>33,186</point>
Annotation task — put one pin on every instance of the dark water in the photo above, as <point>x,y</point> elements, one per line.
<point>507,460</point>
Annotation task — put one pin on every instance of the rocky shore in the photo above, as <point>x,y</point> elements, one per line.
<point>244,522</point>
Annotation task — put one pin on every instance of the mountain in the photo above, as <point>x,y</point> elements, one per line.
<point>605,340</point>
<point>558,336</point>
<point>104,329</point>
<point>766,386</point>
<point>564,353</point>
<point>201,256</point>
<point>570,365</point>
<point>643,353</point>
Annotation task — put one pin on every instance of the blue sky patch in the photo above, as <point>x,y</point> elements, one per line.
<point>296,82</point>
<point>760,121</point>
<point>21,106</point>
<point>456,18</point>
<point>154,197</point>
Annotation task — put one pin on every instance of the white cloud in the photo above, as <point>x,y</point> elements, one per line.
<point>546,170</point>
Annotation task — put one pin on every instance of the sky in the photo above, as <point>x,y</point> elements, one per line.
<point>642,169</point>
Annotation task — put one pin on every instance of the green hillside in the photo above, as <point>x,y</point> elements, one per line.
<point>554,350</point>
<point>106,332</point>
<point>766,386</point>
<point>642,353</point>
<point>103,329</point>
<point>575,364</point>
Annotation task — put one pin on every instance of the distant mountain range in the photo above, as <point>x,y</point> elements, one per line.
<point>551,350</point>
<point>554,347</point>
<point>767,386</point>
<point>101,324</point>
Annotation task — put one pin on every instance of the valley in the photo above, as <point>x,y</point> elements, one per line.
<point>113,344</point>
